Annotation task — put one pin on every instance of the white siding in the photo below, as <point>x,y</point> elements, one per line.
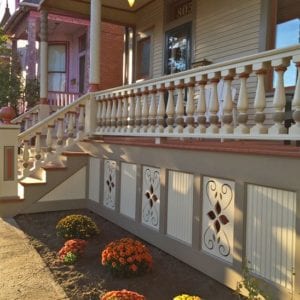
<point>180,206</point>
<point>94,179</point>
<point>128,190</point>
<point>226,29</point>
<point>151,19</point>
<point>271,215</point>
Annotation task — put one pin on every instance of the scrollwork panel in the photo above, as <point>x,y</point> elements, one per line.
<point>110,184</point>
<point>218,217</point>
<point>151,197</point>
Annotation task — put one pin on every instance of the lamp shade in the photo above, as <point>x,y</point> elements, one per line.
<point>131,2</point>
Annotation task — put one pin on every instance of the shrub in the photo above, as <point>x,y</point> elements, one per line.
<point>71,250</point>
<point>127,257</point>
<point>70,258</point>
<point>122,295</point>
<point>76,227</point>
<point>186,297</point>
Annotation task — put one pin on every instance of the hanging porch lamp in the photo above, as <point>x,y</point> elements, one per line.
<point>131,2</point>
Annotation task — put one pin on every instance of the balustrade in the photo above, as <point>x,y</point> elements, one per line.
<point>201,102</point>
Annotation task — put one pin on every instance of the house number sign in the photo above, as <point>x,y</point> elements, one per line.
<point>183,9</point>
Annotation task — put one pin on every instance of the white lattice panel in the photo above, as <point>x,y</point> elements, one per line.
<point>128,190</point>
<point>110,184</point>
<point>151,197</point>
<point>180,206</point>
<point>218,217</point>
<point>94,179</point>
<point>271,218</point>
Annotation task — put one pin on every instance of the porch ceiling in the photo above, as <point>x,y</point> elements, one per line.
<point>117,11</point>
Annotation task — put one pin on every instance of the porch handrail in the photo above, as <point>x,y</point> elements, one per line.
<point>215,67</point>
<point>52,118</point>
<point>25,115</point>
<point>140,109</point>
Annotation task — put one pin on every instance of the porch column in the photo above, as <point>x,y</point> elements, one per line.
<point>44,107</point>
<point>95,36</point>
<point>31,52</point>
<point>44,58</point>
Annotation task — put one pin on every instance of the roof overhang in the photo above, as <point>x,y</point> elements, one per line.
<point>116,11</point>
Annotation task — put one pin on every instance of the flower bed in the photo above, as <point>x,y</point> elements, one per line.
<point>127,257</point>
<point>71,250</point>
<point>122,295</point>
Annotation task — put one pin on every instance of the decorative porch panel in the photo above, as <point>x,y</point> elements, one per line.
<point>271,233</point>
<point>128,190</point>
<point>218,217</point>
<point>94,179</point>
<point>180,206</point>
<point>109,200</point>
<point>151,197</point>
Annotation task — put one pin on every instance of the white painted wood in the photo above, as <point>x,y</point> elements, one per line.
<point>151,197</point>
<point>170,110</point>
<point>295,129</point>
<point>138,114</point>
<point>128,190</point>
<point>72,188</point>
<point>108,116</point>
<point>109,200</point>
<point>113,119</point>
<point>152,112</point>
<point>213,106</point>
<point>271,233</point>
<point>125,114</point>
<point>179,109</point>
<point>94,179</point>
<point>218,217</point>
<point>180,206</point>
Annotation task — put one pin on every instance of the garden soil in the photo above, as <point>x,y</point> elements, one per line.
<point>88,279</point>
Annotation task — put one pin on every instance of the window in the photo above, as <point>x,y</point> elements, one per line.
<point>143,58</point>
<point>57,68</point>
<point>287,33</point>
<point>178,48</point>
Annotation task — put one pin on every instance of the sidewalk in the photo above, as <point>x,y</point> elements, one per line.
<point>23,274</point>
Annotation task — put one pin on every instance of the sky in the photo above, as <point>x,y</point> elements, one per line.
<point>11,5</point>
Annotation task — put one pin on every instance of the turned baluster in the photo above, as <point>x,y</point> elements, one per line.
<point>34,118</point>
<point>70,130</point>
<point>279,100</point>
<point>170,110</point>
<point>179,109</point>
<point>103,115</point>
<point>131,112</point>
<point>26,166</point>
<point>213,104</point>
<point>201,105</point>
<point>119,114</point>
<point>59,136</point>
<point>125,113</point>
<point>260,100</point>
<point>243,102</point>
<point>108,115</point>
<point>138,112</point>
<point>99,118</point>
<point>113,120</point>
<point>80,133</point>
<point>145,110</point>
<point>49,142</point>
<point>38,151</point>
<point>227,118</point>
<point>295,129</point>
<point>161,110</point>
<point>152,110</point>
<point>190,106</point>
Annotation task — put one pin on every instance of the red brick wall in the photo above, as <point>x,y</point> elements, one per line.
<point>112,46</point>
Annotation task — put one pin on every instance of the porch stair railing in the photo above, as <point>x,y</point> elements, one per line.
<point>157,108</point>
<point>43,143</point>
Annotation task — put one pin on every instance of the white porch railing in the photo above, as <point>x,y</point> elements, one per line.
<point>61,99</point>
<point>63,129</point>
<point>141,110</point>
